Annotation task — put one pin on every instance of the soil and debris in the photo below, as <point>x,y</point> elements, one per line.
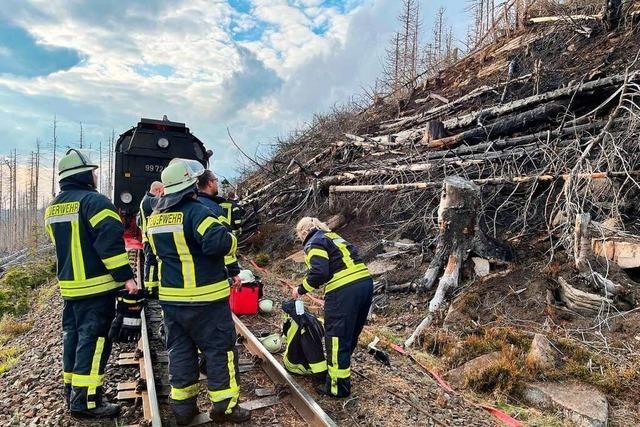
<point>542,128</point>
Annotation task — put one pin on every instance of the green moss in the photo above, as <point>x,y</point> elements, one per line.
<point>17,284</point>
<point>8,357</point>
<point>263,259</point>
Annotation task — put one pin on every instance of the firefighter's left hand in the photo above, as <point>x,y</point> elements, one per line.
<point>294,293</point>
<point>236,283</point>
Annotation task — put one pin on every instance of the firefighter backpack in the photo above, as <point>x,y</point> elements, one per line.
<point>304,352</point>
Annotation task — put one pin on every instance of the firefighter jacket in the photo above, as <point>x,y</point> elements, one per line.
<point>332,262</point>
<point>231,259</point>
<point>232,212</point>
<point>143,214</point>
<point>190,245</point>
<point>304,333</point>
<point>87,234</point>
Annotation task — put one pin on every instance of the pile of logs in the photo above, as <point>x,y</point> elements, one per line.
<point>464,168</point>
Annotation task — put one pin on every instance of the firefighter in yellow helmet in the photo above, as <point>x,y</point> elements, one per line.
<point>191,243</point>
<point>92,266</point>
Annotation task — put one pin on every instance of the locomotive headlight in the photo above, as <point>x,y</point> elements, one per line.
<point>163,143</point>
<point>126,197</point>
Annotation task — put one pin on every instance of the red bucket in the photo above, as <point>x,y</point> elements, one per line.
<point>245,300</point>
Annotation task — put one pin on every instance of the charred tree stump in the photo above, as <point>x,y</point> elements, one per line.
<point>459,205</point>
<point>434,130</point>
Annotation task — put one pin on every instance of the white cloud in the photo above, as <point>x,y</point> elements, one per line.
<point>260,87</point>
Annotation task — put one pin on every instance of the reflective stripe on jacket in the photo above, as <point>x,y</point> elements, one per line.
<point>144,213</point>
<point>232,211</point>
<point>332,262</point>
<point>87,233</point>
<point>230,259</point>
<point>190,245</point>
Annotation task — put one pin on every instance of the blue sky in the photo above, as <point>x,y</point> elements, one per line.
<point>260,67</point>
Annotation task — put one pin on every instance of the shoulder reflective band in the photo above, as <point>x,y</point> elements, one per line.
<point>116,261</point>
<point>103,214</point>
<point>315,252</point>
<point>206,224</point>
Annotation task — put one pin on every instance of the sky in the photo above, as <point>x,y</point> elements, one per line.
<point>258,67</point>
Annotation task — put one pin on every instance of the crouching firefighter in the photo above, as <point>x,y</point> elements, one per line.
<point>92,265</point>
<point>190,244</point>
<point>335,264</point>
<point>151,280</point>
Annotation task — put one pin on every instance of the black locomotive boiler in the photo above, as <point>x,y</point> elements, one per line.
<point>141,154</point>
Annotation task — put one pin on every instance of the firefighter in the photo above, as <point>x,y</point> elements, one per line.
<point>208,195</point>
<point>92,265</point>
<point>233,213</point>
<point>151,281</point>
<point>190,244</point>
<point>335,264</point>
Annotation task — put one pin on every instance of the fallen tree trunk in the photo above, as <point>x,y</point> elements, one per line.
<point>508,125</point>
<point>492,112</point>
<point>564,18</point>
<point>483,181</point>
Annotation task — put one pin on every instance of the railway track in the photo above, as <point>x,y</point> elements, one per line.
<point>271,391</point>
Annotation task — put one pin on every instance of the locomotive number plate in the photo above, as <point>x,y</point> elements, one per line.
<point>153,168</point>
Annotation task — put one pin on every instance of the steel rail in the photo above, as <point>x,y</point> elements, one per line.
<point>302,402</point>
<point>150,393</point>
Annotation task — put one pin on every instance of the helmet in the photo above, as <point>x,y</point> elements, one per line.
<point>74,162</point>
<point>272,342</point>
<point>246,276</point>
<point>265,305</point>
<point>180,175</point>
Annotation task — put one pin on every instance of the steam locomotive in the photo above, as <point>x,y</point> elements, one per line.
<point>141,154</point>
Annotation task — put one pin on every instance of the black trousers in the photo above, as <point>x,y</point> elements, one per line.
<point>86,347</point>
<point>208,328</point>
<point>151,279</point>
<point>345,314</point>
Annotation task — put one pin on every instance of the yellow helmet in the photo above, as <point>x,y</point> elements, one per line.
<point>74,162</point>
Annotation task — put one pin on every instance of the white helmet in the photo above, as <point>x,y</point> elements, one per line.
<point>265,305</point>
<point>246,276</point>
<point>272,342</point>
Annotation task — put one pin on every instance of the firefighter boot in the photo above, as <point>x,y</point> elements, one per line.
<point>104,409</point>
<point>185,411</point>
<point>237,415</point>
<point>67,395</point>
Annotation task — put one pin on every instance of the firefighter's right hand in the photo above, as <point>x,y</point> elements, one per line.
<point>131,286</point>
<point>126,325</point>
<point>236,283</point>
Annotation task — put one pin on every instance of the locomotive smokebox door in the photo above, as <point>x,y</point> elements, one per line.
<point>143,152</point>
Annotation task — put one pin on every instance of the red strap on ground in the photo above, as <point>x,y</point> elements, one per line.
<point>502,416</point>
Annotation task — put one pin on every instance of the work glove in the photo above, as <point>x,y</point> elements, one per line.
<point>126,325</point>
